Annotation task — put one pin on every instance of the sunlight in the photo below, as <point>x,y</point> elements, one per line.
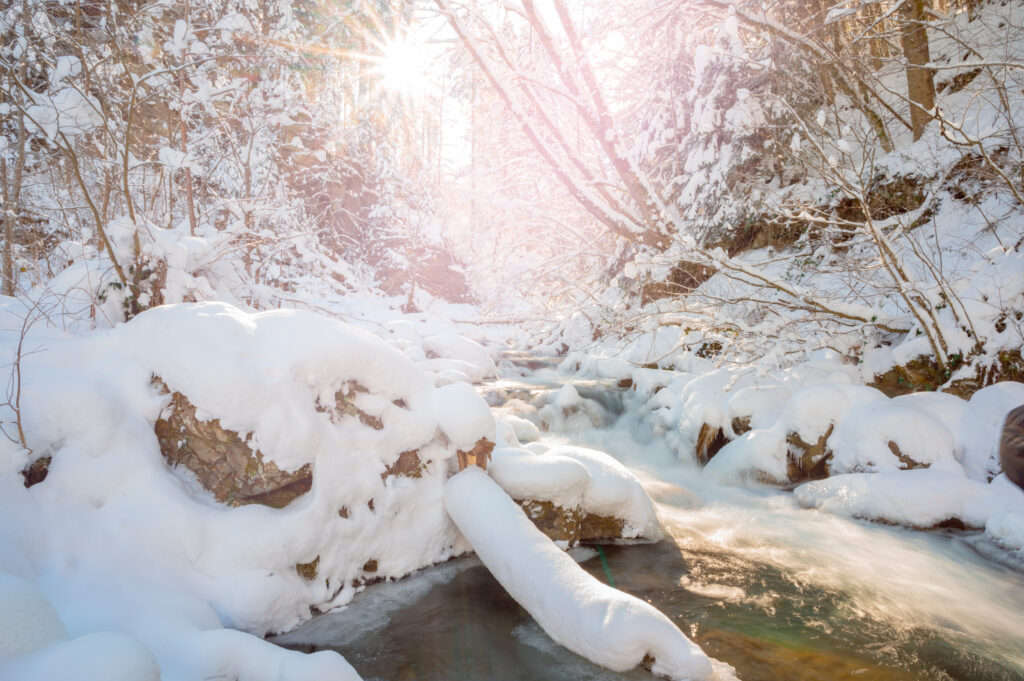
<point>402,66</point>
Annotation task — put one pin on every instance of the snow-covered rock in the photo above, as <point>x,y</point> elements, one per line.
<point>377,460</point>
<point>575,494</point>
<point>567,411</point>
<point>460,353</point>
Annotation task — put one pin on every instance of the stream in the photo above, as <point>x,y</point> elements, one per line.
<point>779,592</point>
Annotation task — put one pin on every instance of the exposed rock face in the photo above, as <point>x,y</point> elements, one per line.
<point>408,464</point>
<point>345,405</point>
<point>558,523</point>
<point>906,463</point>
<point>601,527</point>
<point>223,462</point>
<point>710,441</point>
<point>308,571</point>
<point>571,525</point>
<point>740,425</point>
<point>806,461</point>
<point>479,455</point>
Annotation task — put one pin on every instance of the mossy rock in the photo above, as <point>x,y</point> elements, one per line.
<point>885,199</point>
<point>923,374</point>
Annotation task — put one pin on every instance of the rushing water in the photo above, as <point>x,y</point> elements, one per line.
<point>781,593</point>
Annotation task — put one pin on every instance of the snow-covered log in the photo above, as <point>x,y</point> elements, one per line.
<point>607,626</point>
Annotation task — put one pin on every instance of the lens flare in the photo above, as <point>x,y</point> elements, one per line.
<point>402,66</point>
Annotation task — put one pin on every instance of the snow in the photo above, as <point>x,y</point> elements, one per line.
<point>525,431</point>
<point>525,475</point>
<point>467,353</point>
<point>29,621</point>
<point>462,416</point>
<point>102,656</point>
<point>613,490</point>
<point>120,544</point>
<point>607,626</point>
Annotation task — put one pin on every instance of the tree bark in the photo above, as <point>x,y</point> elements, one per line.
<point>920,79</point>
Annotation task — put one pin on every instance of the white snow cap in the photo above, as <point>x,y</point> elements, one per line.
<point>473,359</point>
<point>462,415</point>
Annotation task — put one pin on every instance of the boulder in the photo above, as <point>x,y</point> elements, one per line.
<point>1011,446</point>
<point>222,460</point>
<point>558,523</point>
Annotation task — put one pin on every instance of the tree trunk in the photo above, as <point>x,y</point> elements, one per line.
<point>8,274</point>
<point>12,197</point>
<point>920,82</point>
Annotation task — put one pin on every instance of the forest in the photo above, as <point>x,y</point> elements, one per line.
<point>512,339</point>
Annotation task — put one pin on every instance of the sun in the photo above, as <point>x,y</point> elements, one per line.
<point>402,66</point>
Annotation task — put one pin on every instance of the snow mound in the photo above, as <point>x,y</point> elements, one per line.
<point>124,523</point>
<point>607,626</point>
<point>525,431</point>
<point>858,429</point>
<point>28,621</point>
<point>461,354</point>
<point>923,498</point>
<point>525,475</point>
<point>101,656</point>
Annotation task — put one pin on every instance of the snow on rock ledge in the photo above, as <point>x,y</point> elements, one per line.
<point>607,626</point>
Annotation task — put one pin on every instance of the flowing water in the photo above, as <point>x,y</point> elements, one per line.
<point>780,593</point>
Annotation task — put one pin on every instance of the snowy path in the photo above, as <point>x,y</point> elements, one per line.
<point>607,626</point>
